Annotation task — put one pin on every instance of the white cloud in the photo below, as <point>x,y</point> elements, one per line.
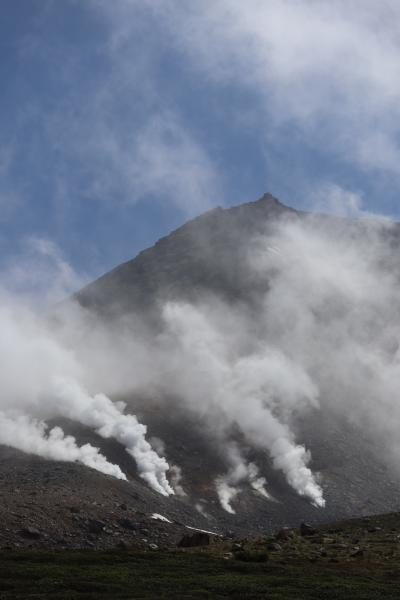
<point>168,162</point>
<point>326,70</point>
<point>117,136</point>
<point>328,67</point>
<point>158,157</point>
<point>334,199</point>
<point>39,272</point>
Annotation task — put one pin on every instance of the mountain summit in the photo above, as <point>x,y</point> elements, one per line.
<point>205,254</point>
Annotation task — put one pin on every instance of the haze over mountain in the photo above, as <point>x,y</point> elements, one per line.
<point>260,347</point>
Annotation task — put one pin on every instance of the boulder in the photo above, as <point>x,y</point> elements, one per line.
<point>236,547</point>
<point>306,529</point>
<point>357,553</point>
<point>30,533</point>
<point>196,539</point>
<point>274,547</point>
<point>153,546</point>
<point>284,534</point>
<point>95,526</point>
<point>129,524</point>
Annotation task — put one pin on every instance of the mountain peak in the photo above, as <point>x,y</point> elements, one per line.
<point>270,201</point>
<point>268,197</point>
<point>266,202</point>
<point>189,259</point>
<point>263,209</point>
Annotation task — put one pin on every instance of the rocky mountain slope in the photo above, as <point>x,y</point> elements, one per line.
<point>206,254</point>
<point>68,505</point>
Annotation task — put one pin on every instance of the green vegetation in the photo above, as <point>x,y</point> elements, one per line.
<point>184,575</point>
<point>352,560</point>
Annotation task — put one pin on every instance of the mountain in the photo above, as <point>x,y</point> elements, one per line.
<point>206,254</point>
<point>205,263</point>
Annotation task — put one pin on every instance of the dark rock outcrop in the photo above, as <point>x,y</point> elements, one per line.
<point>198,538</point>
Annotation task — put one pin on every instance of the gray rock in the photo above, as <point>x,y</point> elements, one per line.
<point>236,547</point>
<point>357,553</point>
<point>274,547</point>
<point>129,524</point>
<point>196,539</point>
<point>95,526</point>
<point>30,533</point>
<point>306,529</point>
<point>285,534</point>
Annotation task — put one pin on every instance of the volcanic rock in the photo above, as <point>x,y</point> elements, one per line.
<point>196,539</point>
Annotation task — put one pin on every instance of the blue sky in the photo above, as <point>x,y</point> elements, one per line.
<point>120,120</point>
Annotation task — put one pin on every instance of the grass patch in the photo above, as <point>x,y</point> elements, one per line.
<point>188,575</point>
<point>253,556</point>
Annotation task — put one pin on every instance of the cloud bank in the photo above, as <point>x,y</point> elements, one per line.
<point>163,110</point>
<point>128,126</point>
<point>325,67</point>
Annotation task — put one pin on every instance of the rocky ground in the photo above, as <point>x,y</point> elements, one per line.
<point>44,504</point>
<point>369,540</point>
<point>357,559</point>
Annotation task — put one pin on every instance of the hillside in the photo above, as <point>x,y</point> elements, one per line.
<point>206,254</point>
<point>352,559</point>
<point>205,263</point>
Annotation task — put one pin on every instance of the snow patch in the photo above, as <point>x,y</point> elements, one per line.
<point>158,517</point>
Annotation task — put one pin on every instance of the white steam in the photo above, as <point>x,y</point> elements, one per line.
<point>227,486</point>
<point>257,482</point>
<point>318,331</point>
<point>175,476</point>
<point>324,337</point>
<point>226,494</point>
<point>256,392</point>
<point>109,421</point>
<point>40,379</point>
<point>30,435</point>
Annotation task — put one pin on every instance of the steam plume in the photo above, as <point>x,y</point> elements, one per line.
<point>245,391</point>
<point>318,331</point>
<point>29,435</point>
<point>39,377</point>
<point>108,419</point>
<point>240,471</point>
